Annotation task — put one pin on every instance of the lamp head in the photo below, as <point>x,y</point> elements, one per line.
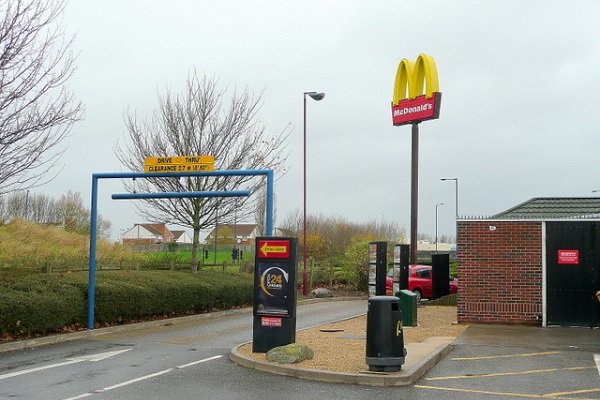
<point>315,95</point>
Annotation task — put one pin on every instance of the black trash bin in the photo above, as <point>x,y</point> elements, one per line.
<point>385,338</point>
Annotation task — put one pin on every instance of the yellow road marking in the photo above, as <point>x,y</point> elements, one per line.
<point>555,395</point>
<point>479,391</point>
<point>545,353</point>
<point>534,371</point>
<point>536,396</point>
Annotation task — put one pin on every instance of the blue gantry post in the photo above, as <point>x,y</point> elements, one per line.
<point>125,175</point>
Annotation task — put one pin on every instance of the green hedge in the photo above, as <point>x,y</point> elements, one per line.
<point>45,303</point>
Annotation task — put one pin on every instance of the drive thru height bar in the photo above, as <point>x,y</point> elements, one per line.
<point>125,175</point>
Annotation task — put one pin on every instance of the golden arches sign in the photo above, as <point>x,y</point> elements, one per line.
<point>416,91</point>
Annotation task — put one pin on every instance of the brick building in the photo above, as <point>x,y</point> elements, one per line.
<point>535,264</point>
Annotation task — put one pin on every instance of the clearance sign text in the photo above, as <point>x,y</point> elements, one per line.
<point>179,164</point>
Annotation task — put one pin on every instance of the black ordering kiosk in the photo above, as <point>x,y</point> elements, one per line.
<point>275,293</point>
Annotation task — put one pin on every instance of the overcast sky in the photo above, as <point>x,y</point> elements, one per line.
<point>519,116</point>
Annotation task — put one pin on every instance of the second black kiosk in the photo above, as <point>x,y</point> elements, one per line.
<point>274,293</point>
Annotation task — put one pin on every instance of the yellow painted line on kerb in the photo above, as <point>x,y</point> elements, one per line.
<point>545,353</point>
<point>533,371</point>
<point>508,394</point>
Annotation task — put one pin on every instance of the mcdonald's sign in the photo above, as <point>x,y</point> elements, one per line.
<point>416,91</point>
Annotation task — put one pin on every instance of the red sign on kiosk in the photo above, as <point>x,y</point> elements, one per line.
<point>270,321</point>
<point>274,248</point>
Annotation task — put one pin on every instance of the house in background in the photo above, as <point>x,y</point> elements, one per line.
<point>242,234</point>
<point>153,234</point>
<point>181,237</point>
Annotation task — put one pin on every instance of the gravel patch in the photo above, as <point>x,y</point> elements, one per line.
<point>341,346</point>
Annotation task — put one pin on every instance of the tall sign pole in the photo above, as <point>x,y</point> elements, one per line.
<point>416,98</point>
<point>414,193</point>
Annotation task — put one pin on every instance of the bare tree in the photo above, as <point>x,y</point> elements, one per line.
<point>32,207</point>
<point>260,209</point>
<point>333,235</point>
<point>202,121</point>
<point>68,212</point>
<point>36,110</point>
<point>75,217</point>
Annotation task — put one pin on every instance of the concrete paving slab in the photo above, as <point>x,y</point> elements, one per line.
<point>557,338</point>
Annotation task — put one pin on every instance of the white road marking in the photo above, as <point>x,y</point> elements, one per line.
<point>99,356</point>
<point>199,362</point>
<point>597,359</point>
<point>142,378</point>
<point>91,357</point>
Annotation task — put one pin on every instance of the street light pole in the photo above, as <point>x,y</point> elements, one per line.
<point>315,96</point>
<point>455,192</point>
<point>436,225</point>
<point>455,205</point>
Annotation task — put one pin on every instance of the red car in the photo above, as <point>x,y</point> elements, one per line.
<point>419,282</point>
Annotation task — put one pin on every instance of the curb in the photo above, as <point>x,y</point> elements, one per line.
<point>420,358</point>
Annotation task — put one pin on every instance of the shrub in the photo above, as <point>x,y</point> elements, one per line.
<point>43,303</point>
<point>37,305</point>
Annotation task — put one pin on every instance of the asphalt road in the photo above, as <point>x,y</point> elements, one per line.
<point>191,361</point>
<point>500,361</point>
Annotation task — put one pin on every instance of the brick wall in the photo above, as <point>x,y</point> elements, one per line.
<point>500,272</point>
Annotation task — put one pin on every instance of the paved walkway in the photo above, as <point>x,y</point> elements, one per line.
<point>556,338</point>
